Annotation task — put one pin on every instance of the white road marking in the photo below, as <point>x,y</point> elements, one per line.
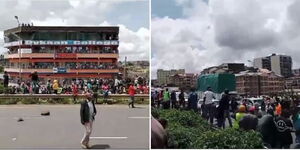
<point>14,139</point>
<point>138,117</point>
<point>108,137</point>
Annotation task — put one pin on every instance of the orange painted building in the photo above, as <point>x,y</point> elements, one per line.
<point>62,52</point>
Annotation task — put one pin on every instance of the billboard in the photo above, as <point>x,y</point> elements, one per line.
<point>59,70</point>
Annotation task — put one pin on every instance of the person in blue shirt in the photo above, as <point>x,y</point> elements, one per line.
<point>193,100</point>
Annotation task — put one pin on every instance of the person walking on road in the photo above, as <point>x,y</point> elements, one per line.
<point>208,105</point>
<point>166,103</point>
<point>5,79</point>
<point>87,114</point>
<point>193,100</point>
<point>131,92</point>
<point>181,99</point>
<point>223,110</point>
<point>35,80</point>
<point>239,115</point>
<point>173,99</point>
<point>55,86</point>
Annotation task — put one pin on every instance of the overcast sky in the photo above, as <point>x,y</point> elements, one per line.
<point>131,15</point>
<point>196,34</point>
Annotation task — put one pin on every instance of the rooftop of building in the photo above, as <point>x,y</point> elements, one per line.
<point>30,28</point>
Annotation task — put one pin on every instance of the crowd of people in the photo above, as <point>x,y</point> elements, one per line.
<point>76,86</point>
<point>276,120</point>
<point>72,65</point>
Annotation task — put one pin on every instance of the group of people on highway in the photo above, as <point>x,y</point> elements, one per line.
<point>103,86</point>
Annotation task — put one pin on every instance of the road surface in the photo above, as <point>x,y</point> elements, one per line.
<point>115,127</point>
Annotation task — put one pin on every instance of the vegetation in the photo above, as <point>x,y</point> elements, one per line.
<point>121,100</point>
<point>186,129</point>
<point>1,69</point>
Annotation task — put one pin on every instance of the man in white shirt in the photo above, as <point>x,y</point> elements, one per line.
<point>87,114</point>
<point>208,105</point>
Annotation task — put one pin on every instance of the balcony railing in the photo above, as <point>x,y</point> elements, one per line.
<point>67,70</point>
<point>74,55</point>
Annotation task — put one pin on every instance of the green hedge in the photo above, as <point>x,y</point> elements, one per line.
<point>186,129</point>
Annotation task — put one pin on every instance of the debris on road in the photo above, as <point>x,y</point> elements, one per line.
<point>45,113</point>
<point>20,119</point>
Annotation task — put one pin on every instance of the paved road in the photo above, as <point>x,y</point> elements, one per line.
<point>116,127</point>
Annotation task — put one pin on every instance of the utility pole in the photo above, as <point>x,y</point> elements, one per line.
<point>125,62</point>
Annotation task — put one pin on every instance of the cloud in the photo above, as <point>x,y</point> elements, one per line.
<point>214,32</point>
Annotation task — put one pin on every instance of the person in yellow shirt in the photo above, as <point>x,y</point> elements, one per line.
<point>55,86</point>
<point>239,115</point>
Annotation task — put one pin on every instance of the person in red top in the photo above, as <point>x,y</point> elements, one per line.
<point>131,92</point>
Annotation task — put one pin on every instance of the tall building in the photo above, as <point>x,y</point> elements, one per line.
<point>279,64</point>
<point>62,52</point>
<point>263,82</point>
<point>163,76</point>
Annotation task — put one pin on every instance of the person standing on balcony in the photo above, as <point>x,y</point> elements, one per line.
<point>88,112</point>
<point>131,92</point>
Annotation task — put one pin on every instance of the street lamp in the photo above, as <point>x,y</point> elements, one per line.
<point>17,18</point>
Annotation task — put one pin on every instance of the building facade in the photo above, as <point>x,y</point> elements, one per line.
<point>225,68</point>
<point>293,82</point>
<point>61,52</point>
<point>296,72</point>
<point>279,64</point>
<point>163,76</point>
<point>186,81</point>
<point>259,83</point>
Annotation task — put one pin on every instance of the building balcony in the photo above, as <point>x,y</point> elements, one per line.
<point>60,55</point>
<point>17,70</point>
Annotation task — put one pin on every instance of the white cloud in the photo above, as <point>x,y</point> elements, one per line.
<point>225,31</point>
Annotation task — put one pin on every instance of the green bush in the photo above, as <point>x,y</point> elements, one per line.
<point>30,101</point>
<point>229,138</point>
<point>8,101</point>
<point>186,129</point>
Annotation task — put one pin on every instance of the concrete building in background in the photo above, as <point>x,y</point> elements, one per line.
<point>293,82</point>
<point>163,76</point>
<point>262,82</point>
<point>279,64</point>
<point>185,81</point>
<point>225,68</point>
<point>62,52</point>
<point>296,72</point>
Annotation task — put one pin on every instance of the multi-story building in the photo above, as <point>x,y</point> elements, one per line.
<point>259,83</point>
<point>263,62</point>
<point>293,82</point>
<point>225,68</point>
<point>186,81</point>
<point>296,72</point>
<point>279,64</point>
<point>62,52</point>
<point>163,76</point>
